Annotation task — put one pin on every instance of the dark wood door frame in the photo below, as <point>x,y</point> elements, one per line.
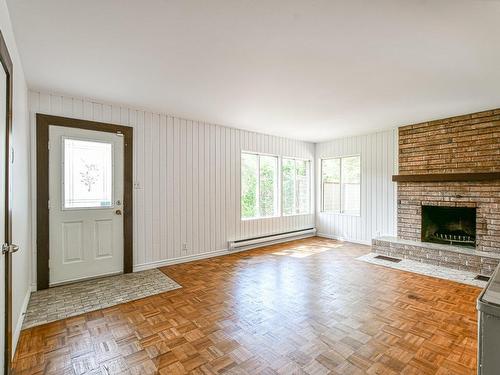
<point>8,68</point>
<point>42,184</point>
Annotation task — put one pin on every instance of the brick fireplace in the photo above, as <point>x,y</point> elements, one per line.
<point>453,165</point>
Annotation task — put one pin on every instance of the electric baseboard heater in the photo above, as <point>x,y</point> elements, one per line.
<point>249,243</point>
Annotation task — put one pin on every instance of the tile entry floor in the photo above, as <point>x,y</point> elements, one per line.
<point>69,300</point>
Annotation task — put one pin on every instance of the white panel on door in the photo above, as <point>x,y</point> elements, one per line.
<point>103,238</point>
<point>72,244</point>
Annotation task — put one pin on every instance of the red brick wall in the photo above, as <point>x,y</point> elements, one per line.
<point>469,143</point>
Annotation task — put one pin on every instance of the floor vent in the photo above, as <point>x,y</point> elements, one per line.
<point>390,259</point>
<point>482,278</point>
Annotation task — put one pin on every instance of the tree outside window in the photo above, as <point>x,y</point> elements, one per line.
<point>259,186</point>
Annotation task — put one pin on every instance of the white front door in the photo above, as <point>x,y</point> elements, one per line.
<point>85,204</point>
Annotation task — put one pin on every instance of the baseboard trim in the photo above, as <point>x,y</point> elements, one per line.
<point>184,259</point>
<point>211,254</point>
<point>20,320</point>
<point>340,238</point>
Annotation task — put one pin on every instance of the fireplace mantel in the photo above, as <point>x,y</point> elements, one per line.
<point>447,177</point>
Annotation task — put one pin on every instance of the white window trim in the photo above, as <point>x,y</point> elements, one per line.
<point>340,212</point>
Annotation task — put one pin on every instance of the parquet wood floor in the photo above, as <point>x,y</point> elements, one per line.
<point>305,307</point>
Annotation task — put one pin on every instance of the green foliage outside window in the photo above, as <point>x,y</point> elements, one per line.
<point>249,179</point>
<point>258,185</point>
<point>268,184</point>
<point>288,186</point>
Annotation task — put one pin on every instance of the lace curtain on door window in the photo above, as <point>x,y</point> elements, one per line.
<point>88,174</point>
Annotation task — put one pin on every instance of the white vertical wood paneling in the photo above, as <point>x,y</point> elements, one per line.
<point>378,194</point>
<point>186,175</point>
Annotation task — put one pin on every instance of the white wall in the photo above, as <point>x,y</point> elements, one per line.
<point>378,193</point>
<point>188,177</point>
<point>21,214</point>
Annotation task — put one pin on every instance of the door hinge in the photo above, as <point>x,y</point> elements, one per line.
<point>48,204</point>
<point>48,145</point>
<point>50,263</point>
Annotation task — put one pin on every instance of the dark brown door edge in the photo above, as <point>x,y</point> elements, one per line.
<point>42,184</point>
<point>7,241</point>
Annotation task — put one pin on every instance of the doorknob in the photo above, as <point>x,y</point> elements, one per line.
<point>6,248</point>
<point>118,212</point>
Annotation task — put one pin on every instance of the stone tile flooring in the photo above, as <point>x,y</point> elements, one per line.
<point>74,299</point>
<point>464,277</point>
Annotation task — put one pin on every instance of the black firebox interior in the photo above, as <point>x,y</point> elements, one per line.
<point>449,225</point>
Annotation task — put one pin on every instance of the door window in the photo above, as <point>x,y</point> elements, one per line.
<point>88,174</point>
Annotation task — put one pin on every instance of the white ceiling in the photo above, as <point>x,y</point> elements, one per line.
<point>311,70</point>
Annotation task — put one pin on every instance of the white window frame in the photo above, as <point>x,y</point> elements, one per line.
<point>295,181</point>
<point>277,190</point>
<point>341,211</point>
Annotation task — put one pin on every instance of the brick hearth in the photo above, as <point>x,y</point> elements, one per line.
<point>457,257</point>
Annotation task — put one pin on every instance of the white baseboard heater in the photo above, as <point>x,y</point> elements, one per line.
<point>249,243</point>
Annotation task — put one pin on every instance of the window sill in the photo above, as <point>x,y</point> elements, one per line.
<point>340,213</point>
<point>304,214</point>
<point>259,218</point>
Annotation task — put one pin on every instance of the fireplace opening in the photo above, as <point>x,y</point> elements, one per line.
<point>449,225</point>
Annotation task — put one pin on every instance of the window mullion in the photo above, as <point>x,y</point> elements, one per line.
<point>322,186</point>
<point>258,186</point>
<point>294,186</point>
<point>280,186</point>
<point>309,186</point>
<point>341,189</point>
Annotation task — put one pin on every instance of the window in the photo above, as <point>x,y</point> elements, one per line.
<point>88,174</point>
<point>296,186</point>
<point>340,185</point>
<point>259,186</point>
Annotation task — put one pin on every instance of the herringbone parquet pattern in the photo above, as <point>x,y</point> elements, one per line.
<point>305,307</point>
